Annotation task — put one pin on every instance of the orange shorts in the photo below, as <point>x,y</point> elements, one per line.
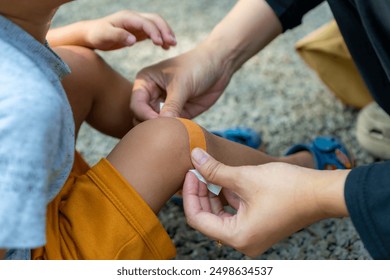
<point>98,215</point>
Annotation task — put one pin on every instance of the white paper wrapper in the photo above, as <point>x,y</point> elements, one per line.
<point>211,187</point>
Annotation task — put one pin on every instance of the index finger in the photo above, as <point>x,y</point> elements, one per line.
<point>198,210</point>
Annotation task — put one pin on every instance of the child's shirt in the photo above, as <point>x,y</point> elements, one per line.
<point>36,137</point>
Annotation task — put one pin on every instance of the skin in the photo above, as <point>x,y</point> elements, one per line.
<point>147,156</point>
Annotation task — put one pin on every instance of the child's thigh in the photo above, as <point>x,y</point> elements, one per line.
<point>94,89</point>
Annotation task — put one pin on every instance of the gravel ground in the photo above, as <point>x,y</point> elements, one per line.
<point>274,93</point>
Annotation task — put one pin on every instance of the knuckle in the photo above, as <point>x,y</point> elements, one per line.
<point>173,105</point>
<point>212,170</point>
<point>152,15</point>
<point>124,13</point>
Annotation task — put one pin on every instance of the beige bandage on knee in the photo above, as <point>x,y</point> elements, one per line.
<point>195,134</point>
<point>197,140</point>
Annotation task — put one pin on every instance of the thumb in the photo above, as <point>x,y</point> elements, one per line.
<point>173,105</point>
<point>215,171</point>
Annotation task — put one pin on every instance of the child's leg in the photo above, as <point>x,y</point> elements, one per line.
<point>97,93</point>
<point>155,156</point>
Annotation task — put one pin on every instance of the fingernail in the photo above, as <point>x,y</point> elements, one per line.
<point>130,40</point>
<point>159,41</point>
<point>173,39</point>
<point>199,156</point>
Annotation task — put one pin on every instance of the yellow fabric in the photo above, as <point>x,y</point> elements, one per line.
<point>98,215</point>
<point>324,50</point>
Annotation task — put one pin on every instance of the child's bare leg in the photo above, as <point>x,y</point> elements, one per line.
<point>97,93</point>
<point>155,156</point>
<point>233,154</point>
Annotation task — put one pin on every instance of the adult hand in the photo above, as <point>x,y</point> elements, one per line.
<point>273,201</point>
<point>191,83</point>
<point>188,84</point>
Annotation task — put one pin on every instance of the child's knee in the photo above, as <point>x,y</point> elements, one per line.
<point>196,134</point>
<point>77,56</point>
<point>173,133</point>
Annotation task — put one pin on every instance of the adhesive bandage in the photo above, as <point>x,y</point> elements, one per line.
<point>211,187</point>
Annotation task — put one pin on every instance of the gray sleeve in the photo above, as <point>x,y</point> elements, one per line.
<point>29,132</point>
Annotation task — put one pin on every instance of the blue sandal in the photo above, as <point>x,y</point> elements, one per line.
<point>328,152</point>
<point>242,135</point>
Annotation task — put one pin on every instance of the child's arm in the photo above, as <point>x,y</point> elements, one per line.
<point>122,29</point>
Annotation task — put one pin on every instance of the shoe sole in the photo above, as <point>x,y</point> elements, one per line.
<point>372,131</point>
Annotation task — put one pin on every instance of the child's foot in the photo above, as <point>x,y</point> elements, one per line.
<point>324,153</point>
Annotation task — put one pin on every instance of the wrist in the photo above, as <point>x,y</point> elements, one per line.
<point>80,31</point>
<point>218,58</point>
<point>247,29</point>
<point>329,193</point>
<point>74,34</point>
